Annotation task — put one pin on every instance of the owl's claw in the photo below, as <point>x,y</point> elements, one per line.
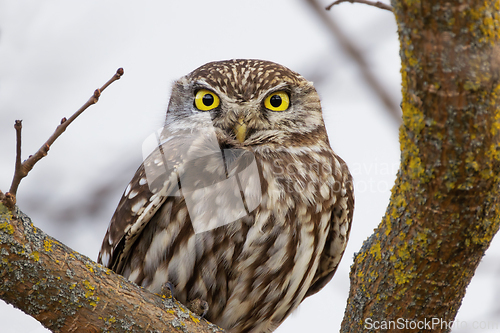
<point>198,306</point>
<point>167,290</point>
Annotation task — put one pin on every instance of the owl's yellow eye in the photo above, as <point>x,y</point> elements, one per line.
<point>206,100</point>
<point>277,101</point>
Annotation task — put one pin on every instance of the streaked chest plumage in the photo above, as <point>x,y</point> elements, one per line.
<point>245,208</point>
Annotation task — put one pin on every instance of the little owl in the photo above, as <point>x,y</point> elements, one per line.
<point>240,204</point>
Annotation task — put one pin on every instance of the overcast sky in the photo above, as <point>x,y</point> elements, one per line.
<point>54,53</point>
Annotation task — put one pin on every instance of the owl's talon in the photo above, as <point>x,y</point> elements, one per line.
<point>167,290</point>
<point>198,306</point>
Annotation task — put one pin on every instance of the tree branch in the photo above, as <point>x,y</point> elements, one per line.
<point>445,206</point>
<point>357,57</point>
<point>68,292</point>
<point>377,4</point>
<point>22,169</point>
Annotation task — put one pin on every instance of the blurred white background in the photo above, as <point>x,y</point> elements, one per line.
<point>54,53</point>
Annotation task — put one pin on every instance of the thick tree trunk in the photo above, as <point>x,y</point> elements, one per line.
<point>68,292</point>
<point>445,205</point>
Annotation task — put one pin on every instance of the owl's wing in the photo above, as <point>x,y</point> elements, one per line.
<point>340,227</point>
<point>191,156</point>
<point>152,183</point>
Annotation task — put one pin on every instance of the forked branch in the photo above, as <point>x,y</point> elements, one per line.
<point>23,168</point>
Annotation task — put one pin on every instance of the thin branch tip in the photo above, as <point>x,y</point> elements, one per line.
<point>18,170</point>
<point>18,126</point>
<point>23,168</point>
<point>377,4</point>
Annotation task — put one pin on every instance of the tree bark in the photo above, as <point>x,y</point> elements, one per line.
<point>445,204</point>
<point>68,292</point>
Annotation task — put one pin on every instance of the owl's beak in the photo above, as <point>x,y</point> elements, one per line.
<point>240,129</point>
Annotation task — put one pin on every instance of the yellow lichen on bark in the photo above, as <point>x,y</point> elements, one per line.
<point>445,204</point>
<point>68,292</point>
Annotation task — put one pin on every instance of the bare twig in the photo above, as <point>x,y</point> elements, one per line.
<point>23,168</point>
<point>377,4</point>
<point>18,126</point>
<point>356,55</point>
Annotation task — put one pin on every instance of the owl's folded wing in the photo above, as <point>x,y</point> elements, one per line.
<point>340,227</point>
<point>152,183</point>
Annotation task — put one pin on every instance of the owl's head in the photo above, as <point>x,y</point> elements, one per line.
<point>249,103</point>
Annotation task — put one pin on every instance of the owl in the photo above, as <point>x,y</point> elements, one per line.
<point>240,204</point>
